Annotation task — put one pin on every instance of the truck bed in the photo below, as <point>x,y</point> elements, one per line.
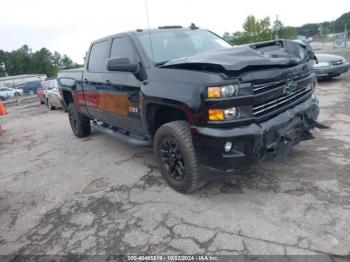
<point>76,73</point>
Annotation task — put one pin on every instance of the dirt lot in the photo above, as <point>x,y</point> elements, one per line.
<point>61,195</point>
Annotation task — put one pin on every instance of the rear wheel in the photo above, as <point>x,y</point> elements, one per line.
<point>50,106</point>
<point>79,123</point>
<point>176,156</point>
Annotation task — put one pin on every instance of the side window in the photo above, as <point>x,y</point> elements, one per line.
<point>122,47</point>
<point>98,56</point>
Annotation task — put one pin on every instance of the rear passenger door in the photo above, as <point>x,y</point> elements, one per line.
<point>94,85</point>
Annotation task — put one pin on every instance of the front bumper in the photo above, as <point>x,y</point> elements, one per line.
<point>251,143</point>
<point>333,70</point>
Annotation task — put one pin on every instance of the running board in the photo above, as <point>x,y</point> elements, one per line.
<point>125,136</point>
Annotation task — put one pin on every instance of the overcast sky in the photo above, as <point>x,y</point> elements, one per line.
<point>67,26</point>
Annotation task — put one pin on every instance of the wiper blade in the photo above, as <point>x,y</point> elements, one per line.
<point>161,63</point>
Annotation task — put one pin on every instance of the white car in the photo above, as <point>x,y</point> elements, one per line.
<point>18,91</point>
<point>7,92</point>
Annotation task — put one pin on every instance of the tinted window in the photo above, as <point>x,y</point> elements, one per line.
<point>98,56</point>
<point>32,84</point>
<point>122,47</point>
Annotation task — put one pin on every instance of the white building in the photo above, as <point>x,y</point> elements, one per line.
<point>21,79</point>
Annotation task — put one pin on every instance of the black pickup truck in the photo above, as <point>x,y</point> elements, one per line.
<point>209,109</point>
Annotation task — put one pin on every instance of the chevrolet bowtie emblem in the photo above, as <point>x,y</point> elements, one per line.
<point>289,89</point>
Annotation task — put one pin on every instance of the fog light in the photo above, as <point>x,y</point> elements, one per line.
<point>228,146</point>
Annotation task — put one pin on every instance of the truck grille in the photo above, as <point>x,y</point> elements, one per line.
<point>288,98</point>
<point>263,87</point>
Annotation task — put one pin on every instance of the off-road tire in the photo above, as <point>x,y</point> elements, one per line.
<point>179,132</point>
<point>79,123</point>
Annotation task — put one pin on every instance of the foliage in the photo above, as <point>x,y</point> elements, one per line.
<point>257,30</point>
<point>339,23</point>
<point>24,61</point>
<point>326,27</point>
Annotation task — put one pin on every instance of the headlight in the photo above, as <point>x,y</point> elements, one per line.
<point>232,113</point>
<point>223,114</point>
<point>222,91</point>
<point>321,64</point>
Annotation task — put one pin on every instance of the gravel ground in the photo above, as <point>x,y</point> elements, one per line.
<point>63,195</point>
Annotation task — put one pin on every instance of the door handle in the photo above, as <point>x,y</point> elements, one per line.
<point>108,82</point>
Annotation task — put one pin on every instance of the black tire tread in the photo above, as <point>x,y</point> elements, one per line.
<point>183,133</point>
<point>83,123</point>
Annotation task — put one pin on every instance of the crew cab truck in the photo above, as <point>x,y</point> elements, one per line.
<point>208,108</point>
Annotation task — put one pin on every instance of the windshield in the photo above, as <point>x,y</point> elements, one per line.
<point>179,43</point>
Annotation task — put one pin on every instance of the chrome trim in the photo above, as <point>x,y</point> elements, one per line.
<point>282,100</point>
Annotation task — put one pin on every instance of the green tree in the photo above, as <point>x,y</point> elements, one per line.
<point>67,62</point>
<point>288,32</point>
<point>340,22</point>
<point>24,61</point>
<point>2,63</point>
<point>254,30</point>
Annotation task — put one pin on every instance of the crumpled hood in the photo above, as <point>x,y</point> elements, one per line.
<point>272,53</point>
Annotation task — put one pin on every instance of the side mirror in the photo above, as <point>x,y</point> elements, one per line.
<point>122,64</point>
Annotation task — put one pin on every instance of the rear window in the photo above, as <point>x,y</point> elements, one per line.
<point>51,84</point>
<point>98,57</point>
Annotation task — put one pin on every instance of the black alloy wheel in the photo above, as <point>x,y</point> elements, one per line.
<point>172,159</point>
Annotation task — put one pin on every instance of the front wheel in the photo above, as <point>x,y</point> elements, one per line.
<point>176,157</point>
<point>79,123</point>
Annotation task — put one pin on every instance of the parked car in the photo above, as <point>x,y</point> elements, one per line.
<point>17,91</point>
<point>9,92</point>
<point>329,66</point>
<point>31,87</point>
<point>45,87</point>
<point>54,97</point>
<point>209,109</point>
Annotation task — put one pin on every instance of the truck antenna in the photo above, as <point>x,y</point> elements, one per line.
<point>149,30</point>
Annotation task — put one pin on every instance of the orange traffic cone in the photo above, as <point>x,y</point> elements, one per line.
<point>2,109</point>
